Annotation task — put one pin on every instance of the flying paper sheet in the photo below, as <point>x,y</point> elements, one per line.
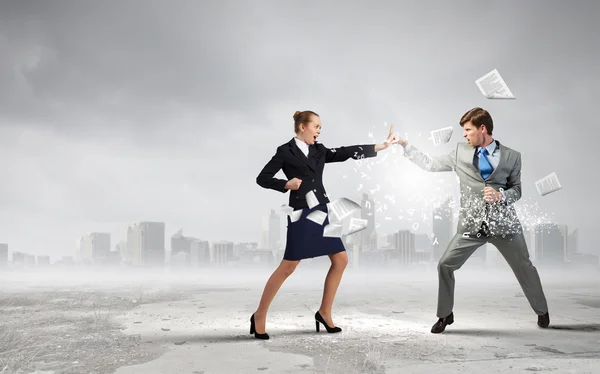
<point>441,136</point>
<point>356,225</point>
<point>548,184</point>
<point>311,199</point>
<point>295,215</point>
<point>493,86</point>
<point>317,216</point>
<point>341,209</point>
<point>333,230</point>
<point>287,209</point>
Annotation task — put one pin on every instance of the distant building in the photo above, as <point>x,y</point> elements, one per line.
<point>274,231</point>
<point>404,244</point>
<point>572,244</point>
<point>200,254</point>
<point>94,248</point>
<point>3,255</point>
<point>222,253</point>
<point>146,244</point>
<point>368,236</point>
<point>43,261</point>
<point>196,251</point>
<point>551,244</point>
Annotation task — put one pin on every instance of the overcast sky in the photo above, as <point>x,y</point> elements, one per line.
<point>114,112</point>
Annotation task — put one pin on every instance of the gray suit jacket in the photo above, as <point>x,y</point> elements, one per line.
<point>501,217</point>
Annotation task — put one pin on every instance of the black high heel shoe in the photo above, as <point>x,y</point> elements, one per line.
<point>264,336</point>
<point>319,319</point>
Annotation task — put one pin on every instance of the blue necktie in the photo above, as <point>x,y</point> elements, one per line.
<point>485,168</point>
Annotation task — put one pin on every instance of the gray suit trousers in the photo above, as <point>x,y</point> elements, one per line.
<point>512,247</point>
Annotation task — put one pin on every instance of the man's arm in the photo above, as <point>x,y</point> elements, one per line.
<point>266,177</point>
<point>513,184</point>
<point>428,163</point>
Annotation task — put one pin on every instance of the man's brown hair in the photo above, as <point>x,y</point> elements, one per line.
<point>478,117</point>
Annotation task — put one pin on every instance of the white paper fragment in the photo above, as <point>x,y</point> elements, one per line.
<point>441,136</point>
<point>548,184</point>
<point>493,86</point>
<point>333,230</point>
<point>311,199</point>
<point>356,225</point>
<point>295,215</point>
<point>341,209</point>
<point>287,209</point>
<point>318,216</point>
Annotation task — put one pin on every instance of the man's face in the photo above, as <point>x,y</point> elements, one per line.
<point>474,135</point>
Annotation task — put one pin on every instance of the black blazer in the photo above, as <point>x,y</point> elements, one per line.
<point>295,164</point>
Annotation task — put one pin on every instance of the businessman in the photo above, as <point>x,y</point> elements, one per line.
<point>490,183</point>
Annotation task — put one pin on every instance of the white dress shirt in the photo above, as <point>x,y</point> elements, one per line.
<point>303,146</point>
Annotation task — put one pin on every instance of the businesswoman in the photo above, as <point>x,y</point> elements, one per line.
<point>302,160</point>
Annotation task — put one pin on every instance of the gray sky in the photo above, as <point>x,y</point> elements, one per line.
<point>112,113</point>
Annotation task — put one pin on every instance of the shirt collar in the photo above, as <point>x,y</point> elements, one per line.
<point>490,148</point>
<point>301,144</point>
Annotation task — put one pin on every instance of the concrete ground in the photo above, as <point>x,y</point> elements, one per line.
<point>386,318</point>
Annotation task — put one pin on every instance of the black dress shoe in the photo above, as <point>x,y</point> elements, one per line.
<point>441,324</point>
<point>544,321</point>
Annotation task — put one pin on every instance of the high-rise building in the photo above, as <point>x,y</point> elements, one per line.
<point>274,231</point>
<point>181,243</point>
<point>197,252</point>
<point>422,248</point>
<point>146,244</point>
<point>94,248</point>
<point>3,254</point>
<point>572,244</point>
<point>200,254</point>
<point>43,261</point>
<point>551,244</point>
<point>404,242</point>
<point>121,249</point>
<point>529,234</point>
<point>368,236</point>
<point>222,253</point>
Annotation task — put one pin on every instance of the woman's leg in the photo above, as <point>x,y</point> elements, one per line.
<point>284,270</point>
<point>332,281</point>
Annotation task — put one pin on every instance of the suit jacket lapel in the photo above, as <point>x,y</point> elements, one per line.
<point>298,153</point>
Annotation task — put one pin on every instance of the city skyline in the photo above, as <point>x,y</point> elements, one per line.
<point>549,244</point>
<point>442,226</point>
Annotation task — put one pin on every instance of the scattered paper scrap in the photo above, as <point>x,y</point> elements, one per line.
<point>493,86</point>
<point>441,136</point>
<point>317,216</point>
<point>311,199</point>
<point>548,184</point>
<point>333,230</point>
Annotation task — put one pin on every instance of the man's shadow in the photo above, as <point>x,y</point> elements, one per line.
<point>585,327</point>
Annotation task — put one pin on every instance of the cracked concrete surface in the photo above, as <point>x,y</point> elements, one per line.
<point>386,317</point>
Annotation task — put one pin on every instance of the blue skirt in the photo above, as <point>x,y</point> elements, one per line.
<point>305,238</point>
